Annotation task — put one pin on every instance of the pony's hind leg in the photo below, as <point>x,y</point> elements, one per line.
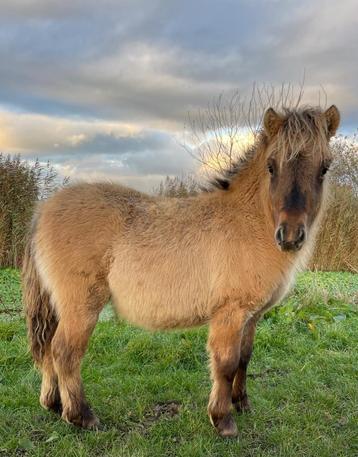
<point>239,393</point>
<point>50,394</point>
<point>68,348</point>
<point>226,330</point>
<point>76,323</point>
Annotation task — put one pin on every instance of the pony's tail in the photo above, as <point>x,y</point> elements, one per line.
<point>40,315</point>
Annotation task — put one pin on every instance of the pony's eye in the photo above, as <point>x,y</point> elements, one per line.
<point>324,170</point>
<point>271,168</point>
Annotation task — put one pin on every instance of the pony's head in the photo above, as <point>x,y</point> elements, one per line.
<point>298,157</point>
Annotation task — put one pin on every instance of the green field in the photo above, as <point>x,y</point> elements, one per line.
<point>150,390</point>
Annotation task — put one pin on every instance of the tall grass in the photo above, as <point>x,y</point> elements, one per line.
<point>337,244</point>
<point>21,185</point>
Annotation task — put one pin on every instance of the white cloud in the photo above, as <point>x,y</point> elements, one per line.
<point>29,133</point>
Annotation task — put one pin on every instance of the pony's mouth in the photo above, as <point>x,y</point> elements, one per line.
<point>289,247</point>
<point>288,240</point>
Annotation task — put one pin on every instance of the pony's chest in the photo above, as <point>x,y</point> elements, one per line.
<point>280,289</point>
<point>264,280</point>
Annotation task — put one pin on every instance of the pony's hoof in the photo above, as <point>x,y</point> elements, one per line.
<point>225,426</point>
<point>242,405</point>
<point>83,418</point>
<point>91,423</point>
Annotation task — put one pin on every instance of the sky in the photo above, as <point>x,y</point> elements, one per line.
<point>102,88</point>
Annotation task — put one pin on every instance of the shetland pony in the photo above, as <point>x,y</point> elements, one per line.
<point>223,257</point>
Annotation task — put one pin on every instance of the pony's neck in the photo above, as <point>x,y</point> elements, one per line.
<point>247,198</point>
<point>251,186</point>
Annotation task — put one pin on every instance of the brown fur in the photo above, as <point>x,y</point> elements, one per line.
<point>170,263</point>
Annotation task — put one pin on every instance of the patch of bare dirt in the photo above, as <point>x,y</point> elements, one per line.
<point>166,409</point>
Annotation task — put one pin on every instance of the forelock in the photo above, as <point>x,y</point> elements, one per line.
<point>302,131</point>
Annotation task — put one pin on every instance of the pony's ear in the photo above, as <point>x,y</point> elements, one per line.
<point>333,118</point>
<point>272,122</point>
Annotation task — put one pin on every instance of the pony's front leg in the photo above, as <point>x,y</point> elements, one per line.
<point>239,393</point>
<point>226,330</point>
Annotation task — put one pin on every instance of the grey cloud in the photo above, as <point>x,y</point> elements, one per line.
<point>155,60</point>
<point>145,153</point>
<point>111,143</point>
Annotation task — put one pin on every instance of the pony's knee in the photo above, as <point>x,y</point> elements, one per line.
<point>225,361</point>
<point>68,346</point>
<point>65,355</point>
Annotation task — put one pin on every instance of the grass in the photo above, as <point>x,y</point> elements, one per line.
<point>150,389</point>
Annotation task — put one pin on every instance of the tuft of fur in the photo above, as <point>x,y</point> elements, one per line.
<point>40,315</point>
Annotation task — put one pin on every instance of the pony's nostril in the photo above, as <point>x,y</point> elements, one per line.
<point>290,238</point>
<point>301,235</point>
<point>280,235</point>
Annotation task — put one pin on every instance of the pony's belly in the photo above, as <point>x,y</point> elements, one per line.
<point>157,315</point>
<point>160,288</point>
<point>159,302</point>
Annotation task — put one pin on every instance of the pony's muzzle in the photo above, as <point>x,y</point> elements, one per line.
<point>289,237</point>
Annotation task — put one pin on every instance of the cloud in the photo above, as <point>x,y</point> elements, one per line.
<point>95,149</point>
<point>148,152</point>
<point>29,133</point>
<point>116,78</point>
<point>153,61</point>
